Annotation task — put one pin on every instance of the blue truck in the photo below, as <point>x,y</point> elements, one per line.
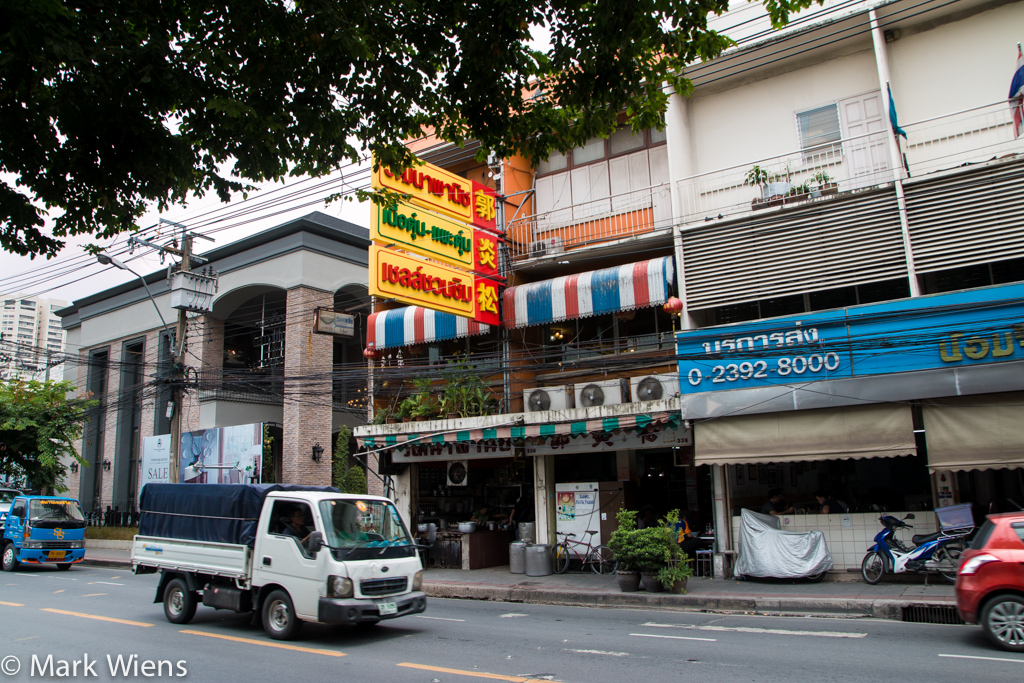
<point>43,530</point>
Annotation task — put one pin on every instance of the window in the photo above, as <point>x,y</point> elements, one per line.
<point>819,131</point>
<point>622,141</point>
<point>27,303</point>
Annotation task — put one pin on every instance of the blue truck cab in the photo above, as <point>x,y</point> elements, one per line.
<point>43,530</point>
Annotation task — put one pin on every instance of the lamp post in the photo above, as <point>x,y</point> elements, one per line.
<point>177,395</point>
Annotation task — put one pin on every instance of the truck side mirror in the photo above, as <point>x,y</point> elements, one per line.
<point>315,543</point>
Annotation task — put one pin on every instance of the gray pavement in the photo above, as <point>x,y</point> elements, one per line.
<point>832,597</point>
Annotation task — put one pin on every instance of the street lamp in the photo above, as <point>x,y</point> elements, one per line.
<point>111,261</point>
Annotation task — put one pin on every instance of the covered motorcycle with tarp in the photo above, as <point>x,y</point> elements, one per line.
<point>766,551</point>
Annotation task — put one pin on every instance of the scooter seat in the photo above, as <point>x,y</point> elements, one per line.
<point>921,539</point>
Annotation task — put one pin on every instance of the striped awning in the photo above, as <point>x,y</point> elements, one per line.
<point>623,288</point>
<point>416,325</point>
<point>608,424</point>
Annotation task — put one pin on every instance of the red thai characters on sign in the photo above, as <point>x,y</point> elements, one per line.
<point>434,188</point>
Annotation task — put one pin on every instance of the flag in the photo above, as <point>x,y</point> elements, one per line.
<point>1016,95</point>
<point>896,130</point>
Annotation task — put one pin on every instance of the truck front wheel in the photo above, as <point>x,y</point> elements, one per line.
<point>10,561</point>
<point>279,620</point>
<point>179,602</point>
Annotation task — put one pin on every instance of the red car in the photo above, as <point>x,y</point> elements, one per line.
<point>990,585</point>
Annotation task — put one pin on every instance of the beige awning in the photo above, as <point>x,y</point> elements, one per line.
<point>975,432</point>
<point>868,431</point>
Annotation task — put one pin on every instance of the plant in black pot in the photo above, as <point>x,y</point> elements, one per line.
<point>623,542</point>
<point>676,570</point>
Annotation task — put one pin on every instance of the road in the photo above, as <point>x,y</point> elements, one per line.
<point>96,613</point>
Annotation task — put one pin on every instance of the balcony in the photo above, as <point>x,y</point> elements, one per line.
<point>850,165</point>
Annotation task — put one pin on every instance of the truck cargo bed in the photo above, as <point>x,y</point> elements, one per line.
<point>203,557</point>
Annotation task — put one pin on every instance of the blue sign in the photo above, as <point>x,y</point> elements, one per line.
<point>938,331</point>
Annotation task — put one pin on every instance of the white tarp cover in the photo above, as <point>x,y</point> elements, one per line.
<point>768,552</point>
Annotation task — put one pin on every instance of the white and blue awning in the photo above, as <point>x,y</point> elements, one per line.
<point>416,325</point>
<point>622,288</point>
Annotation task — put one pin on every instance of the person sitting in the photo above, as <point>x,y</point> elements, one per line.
<point>776,505</point>
<point>296,526</point>
<point>352,528</point>
<point>829,505</point>
<point>687,538</point>
<point>482,516</point>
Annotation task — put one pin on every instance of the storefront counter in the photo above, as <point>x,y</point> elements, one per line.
<point>849,535</point>
<point>482,549</point>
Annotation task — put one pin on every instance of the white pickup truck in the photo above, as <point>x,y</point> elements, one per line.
<point>288,554</point>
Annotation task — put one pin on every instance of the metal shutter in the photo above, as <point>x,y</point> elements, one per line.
<point>967,218</point>
<point>828,244</point>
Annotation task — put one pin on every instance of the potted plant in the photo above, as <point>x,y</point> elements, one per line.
<point>673,576</point>
<point>623,542</point>
<point>758,177</point>
<point>823,184</point>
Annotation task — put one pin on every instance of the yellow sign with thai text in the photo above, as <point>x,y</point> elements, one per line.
<point>412,280</point>
<point>438,190</point>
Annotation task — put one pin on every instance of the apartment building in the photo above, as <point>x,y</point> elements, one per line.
<point>32,338</point>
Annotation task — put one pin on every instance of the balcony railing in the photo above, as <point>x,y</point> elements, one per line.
<point>637,212</point>
<point>850,164</point>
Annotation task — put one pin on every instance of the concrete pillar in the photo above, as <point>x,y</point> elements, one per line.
<point>724,552</point>
<point>544,497</point>
<point>308,360</point>
<point>678,139</point>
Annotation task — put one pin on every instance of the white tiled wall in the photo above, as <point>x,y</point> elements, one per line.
<point>848,543</point>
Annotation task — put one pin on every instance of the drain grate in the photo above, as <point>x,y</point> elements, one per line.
<point>930,614</point>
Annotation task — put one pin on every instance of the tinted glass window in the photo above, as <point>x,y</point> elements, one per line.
<point>1018,527</point>
<point>983,533</point>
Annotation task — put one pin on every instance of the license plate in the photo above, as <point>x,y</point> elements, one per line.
<point>55,555</point>
<point>387,608</point>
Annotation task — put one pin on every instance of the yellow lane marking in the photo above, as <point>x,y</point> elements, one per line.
<point>18,640</point>
<point>252,641</point>
<point>475,674</point>
<point>93,595</point>
<point>114,577</point>
<point>60,591</point>
<point>11,604</point>
<point>93,616</point>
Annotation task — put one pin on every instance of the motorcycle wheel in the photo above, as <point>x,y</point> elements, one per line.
<point>948,559</point>
<point>872,568</point>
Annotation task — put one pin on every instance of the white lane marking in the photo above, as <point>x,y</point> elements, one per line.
<point>651,635</point>
<point>513,615</point>
<point>598,652</point>
<point>754,629</point>
<point>106,583</point>
<point>420,616</point>
<point>991,659</point>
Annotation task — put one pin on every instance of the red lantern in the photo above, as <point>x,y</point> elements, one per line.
<point>372,354</point>
<point>673,306</point>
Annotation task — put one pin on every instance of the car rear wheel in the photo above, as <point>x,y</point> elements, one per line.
<point>179,602</point>
<point>10,560</point>
<point>1003,622</point>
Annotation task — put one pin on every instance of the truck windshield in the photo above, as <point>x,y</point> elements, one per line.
<point>7,495</point>
<point>363,524</point>
<point>55,511</point>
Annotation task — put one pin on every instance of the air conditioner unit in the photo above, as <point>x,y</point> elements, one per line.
<point>458,473</point>
<point>545,398</point>
<point>654,387</point>
<point>546,247</point>
<point>593,394</point>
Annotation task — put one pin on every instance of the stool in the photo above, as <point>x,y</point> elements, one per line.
<point>705,563</point>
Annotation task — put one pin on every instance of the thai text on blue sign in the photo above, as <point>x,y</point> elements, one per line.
<point>943,330</point>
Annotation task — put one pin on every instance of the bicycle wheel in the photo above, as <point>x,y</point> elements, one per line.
<point>561,559</point>
<point>873,567</point>
<point>602,560</point>
<point>947,561</point>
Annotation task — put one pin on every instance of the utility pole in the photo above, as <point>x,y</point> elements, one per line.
<point>177,376</point>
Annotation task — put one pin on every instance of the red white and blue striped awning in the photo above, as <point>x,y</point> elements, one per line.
<point>623,288</point>
<point>417,325</point>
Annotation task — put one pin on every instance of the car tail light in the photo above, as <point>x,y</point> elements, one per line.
<point>971,566</point>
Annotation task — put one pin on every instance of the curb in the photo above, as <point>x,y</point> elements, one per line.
<point>106,562</point>
<point>831,607</point>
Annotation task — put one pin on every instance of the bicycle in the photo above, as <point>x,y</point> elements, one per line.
<point>601,558</point>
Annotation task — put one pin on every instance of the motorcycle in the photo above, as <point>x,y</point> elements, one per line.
<point>932,553</point>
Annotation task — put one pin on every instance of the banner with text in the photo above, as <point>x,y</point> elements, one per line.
<point>434,188</point>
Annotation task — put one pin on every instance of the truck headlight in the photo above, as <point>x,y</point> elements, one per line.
<point>417,580</point>
<point>339,587</point>
<point>32,544</point>
<point>76,544</point>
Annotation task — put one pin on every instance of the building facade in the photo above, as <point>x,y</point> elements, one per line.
<point>256,358</point>
<point>32,338</point>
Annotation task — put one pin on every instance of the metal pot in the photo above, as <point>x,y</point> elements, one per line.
<point>467,527</point>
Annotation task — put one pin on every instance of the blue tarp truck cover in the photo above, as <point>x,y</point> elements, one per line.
<point>218,513</point>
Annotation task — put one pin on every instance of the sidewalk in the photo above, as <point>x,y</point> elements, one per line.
<point>829,598</point>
